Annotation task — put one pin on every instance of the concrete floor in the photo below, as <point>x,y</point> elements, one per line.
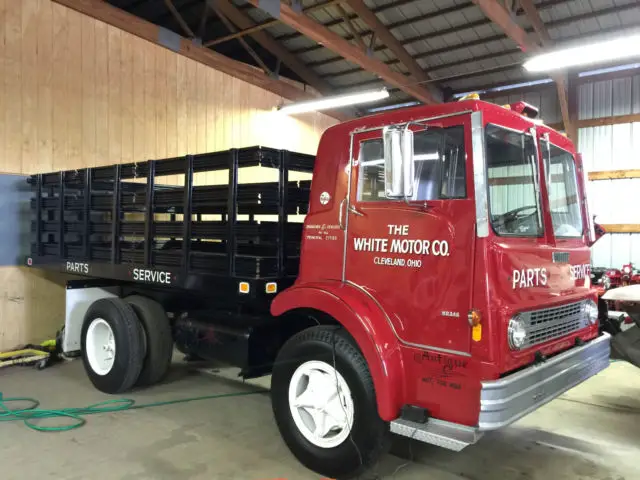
<point>591,433</point>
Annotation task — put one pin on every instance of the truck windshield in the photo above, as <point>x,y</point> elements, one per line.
<point>514,199</point>
<point>562,184</point>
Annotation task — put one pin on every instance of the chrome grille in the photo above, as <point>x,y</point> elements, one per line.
<point>560,257</point>
<point>549,323</point>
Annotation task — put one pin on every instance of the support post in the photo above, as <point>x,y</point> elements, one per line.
<point>60,217</point>
<point>86,212</point>
<point>115,217</point>
<point>283,200</point>
<point>232,215</point>
<point>38,251</point>
<point>187,212</point>
<point>148,221</point>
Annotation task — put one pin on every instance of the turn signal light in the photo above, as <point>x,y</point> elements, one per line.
<point>476,327</point>
<point>243,287</point>
<point>271,287</point>
<point>474,317</point>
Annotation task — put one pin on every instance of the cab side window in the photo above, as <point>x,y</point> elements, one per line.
<point>439,157</point>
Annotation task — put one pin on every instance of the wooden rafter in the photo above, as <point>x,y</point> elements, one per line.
<point>203,19</point>
<point>304,24</point>
<point>501,17</point>
<point>176,14</point>
<point>267,24</point>
<point>387,38</point>
<point>566,97</point>
<point>243,21</point>
<point>243,42</point>
<point>104,12</point>
<point>532,14</point>
<point>351,26</point>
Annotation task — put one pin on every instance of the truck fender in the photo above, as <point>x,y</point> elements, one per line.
<point>367,323</point>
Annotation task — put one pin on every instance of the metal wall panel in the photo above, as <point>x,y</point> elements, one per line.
<point>612,147</point>
<point>545,100</point>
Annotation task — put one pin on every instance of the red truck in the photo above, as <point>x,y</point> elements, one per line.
<point>438,287</point>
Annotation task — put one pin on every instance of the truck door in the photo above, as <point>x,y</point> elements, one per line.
<point>415,255</point>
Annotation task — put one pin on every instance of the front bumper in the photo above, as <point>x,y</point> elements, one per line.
<point>506,400</point>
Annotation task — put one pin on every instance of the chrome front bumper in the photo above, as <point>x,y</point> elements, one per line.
<point>506,400</point>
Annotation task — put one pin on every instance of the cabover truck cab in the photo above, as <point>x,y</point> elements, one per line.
<point>438,288</point>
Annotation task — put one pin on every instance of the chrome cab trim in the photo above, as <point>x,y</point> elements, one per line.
<point>479,175</point>
<point>510,398</point>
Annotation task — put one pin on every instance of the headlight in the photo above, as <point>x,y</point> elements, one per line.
<point>516,333</point>
<point>591,310</point>
<point>627,270</point>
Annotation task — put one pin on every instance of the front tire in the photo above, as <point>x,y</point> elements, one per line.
<point>112,345</point>
<point>324,403</point>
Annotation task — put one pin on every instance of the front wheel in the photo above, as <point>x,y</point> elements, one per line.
<point>324,403</point>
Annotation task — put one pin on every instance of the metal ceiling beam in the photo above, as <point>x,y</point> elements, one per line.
<point>299,21</point>
<point>432,15</point>
<point>243,21</point>
<point>379,9</point>
<point>502,18</point>
<point>386,38</point>
<point>267,24</point>
<point>479,23</point>
<point>460,76</point>
<point>104,12</point>
<point>435,68</point>
<point>493,38</point>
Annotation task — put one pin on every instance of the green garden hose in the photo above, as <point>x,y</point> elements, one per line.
<point>32,413</point>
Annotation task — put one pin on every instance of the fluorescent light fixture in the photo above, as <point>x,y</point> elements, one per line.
<point>617,68</point>
<point>334,102</point>
<point>395,106</point>
<point>606,51</point>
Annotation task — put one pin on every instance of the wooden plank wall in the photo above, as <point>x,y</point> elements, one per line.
<point>75,92</point>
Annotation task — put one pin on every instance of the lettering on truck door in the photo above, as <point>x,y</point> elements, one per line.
<point>414,255</point>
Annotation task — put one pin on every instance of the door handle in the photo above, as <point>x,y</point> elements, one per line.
<point>355,211</point>
<point>341,213</point>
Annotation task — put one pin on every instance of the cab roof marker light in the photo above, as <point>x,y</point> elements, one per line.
<point>605,51</point>
<point>334,102</point>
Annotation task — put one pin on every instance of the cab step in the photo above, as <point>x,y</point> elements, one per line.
<point>451,436</point>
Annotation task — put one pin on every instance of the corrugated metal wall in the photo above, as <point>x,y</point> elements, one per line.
<point>612,147</point>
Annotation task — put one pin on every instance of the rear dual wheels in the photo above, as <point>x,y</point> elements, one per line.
<point>324,403</point>
<point>125,343</point>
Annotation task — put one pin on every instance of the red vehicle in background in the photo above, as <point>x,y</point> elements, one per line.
<point>614,277</point>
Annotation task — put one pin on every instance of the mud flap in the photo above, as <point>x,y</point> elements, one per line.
<point>626,346</point>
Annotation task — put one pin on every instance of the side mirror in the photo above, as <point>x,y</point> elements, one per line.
<point>398,162</point>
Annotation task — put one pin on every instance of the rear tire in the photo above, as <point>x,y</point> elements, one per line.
<point>112,345</point>
<point>322,367</point>
<point>158,338</point>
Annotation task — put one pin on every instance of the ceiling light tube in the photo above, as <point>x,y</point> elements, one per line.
<point>334,102</point>
<point>605,51</point>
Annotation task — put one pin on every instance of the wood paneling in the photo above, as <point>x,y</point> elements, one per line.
<point>76,92</point>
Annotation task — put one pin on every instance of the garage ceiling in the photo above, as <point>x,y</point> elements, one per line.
<point>457,47</point>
